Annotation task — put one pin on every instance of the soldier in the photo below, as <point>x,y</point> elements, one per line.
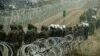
<point>44,32</point>
<point>85,30</point>
<point>13,37</point>
<point>80,30</point>
<point>91,28</point>
<point>66,32</point>
<point>2,33</point>
<point>30,35</point>
<point>2,7</point>
<point>70,30</point>
<point>82,18</point>
<point>97,23</point>
<point>94,11</point>
<point>21,35</point>
<point>75,32</point>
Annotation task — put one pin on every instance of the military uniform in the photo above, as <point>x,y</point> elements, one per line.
<point>44,32</point>
<point>86,31</point>
<point>2,34</point>
<point>30,36</point>
<point>2,7</point>
<point>21,35</point>
<point>13,37</point>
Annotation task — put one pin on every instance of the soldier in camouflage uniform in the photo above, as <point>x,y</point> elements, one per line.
<point>13,38</point>
<point>75,30</point>
<point>44,32</point>
<point>2,7</point>
<point>97,23</point>
<point>2,33</point>
<point>70,30</point>
<point>91,28</point>
<point>86,31</point>
<point>21,35</point>
<point>30,35</point>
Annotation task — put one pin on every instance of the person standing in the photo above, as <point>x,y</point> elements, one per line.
<point>13,37</point>
<point>30,35</point>
<point>2,34</point>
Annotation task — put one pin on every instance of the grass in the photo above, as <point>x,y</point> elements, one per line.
<point>90,47</point>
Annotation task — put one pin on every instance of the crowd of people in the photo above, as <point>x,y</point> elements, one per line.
<point>91,17</point>
<point>16,36</point>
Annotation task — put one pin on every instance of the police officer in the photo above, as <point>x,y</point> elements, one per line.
<point>2,33</point>
<point>51,31</point>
